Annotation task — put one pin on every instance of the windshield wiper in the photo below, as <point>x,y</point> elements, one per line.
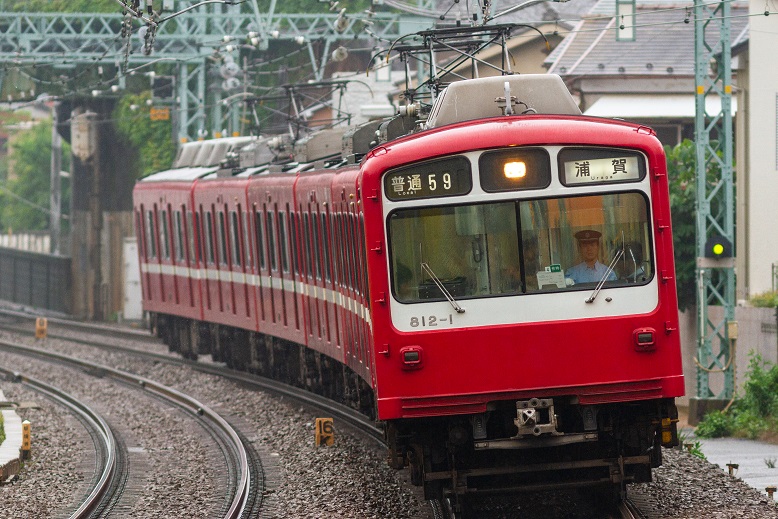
<point>443,289</point>
<point>616,258</point>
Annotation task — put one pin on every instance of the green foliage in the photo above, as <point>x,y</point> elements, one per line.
<point>696,450</point>
<point>681,176</point>
<point>25,198</point>
<point>715,425</point>
<point>753,415</point>
<point>765,300</point>
<point>2,430</point>
<point>152,139</point>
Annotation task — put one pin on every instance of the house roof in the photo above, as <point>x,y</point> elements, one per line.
<point>663,45</point>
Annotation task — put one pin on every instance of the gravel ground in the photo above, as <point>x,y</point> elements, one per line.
<point>349,480</point>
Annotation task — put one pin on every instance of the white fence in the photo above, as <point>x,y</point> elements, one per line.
<point>30,242</point>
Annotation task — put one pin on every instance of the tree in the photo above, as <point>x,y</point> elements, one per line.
<point>681,174</point>
<point>152,139</point>
<point>24,199</point>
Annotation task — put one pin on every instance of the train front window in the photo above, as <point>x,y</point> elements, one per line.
<point>520,247</point>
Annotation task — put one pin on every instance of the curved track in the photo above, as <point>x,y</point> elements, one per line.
<point>110,457</point>
<point>243,483</point>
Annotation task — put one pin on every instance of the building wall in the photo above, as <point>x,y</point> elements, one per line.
<point>756,335</point>
<point>762,191</point>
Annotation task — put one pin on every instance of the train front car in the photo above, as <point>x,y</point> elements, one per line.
<point>525,313</point>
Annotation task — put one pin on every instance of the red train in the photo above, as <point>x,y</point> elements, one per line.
<point>497,289</point>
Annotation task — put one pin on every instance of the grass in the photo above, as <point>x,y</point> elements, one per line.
<point>755,414</point>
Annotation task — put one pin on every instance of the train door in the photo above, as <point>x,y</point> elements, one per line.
<point>148,252</point>
<point>279,263</point>
<point>210,274</point>
<point>337,282</point>
<point>272,267</point>
<point>226,295</point>
<point>295,270</point>
<point>182,278</point>
<point>260,265</point>
<point>311,315</point>
<point>169,293</point>
<point>329,282</point>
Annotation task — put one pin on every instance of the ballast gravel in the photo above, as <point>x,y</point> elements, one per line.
<point>349,480</point>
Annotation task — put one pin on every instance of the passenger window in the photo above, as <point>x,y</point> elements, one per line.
<point>271,241</point>
<point>235,239</point>
<point>209,249</point>
<point>165,238</point>
<point>220,239</point>
<point>260,239</point>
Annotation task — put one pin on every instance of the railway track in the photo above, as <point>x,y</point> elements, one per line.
<point>245,481</point>
<point>442,509</point>
<point>112,471</point>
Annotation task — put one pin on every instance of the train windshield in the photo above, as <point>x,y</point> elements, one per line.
<point>520,247</point>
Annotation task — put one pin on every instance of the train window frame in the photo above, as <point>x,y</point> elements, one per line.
<point>165,235</point>
<point>178,238</point>
<point>221,241</point>
<point>283,241</point>
<point>294,249</point>
<point>536,162</point>
<point>316,244</point>
<point>235,238</point>
<point>210,257</point>
<point>641,234</point>
<point>191,224</point>
<point>244,215</point>
<point>151,242</point>
<point>335,239</point>
<point>604,152</point>
<point>307,244</point>
<point>271,239</point>
<point>325,239</point>
<point>259,235</point>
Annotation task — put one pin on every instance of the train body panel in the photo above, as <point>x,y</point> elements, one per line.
<point>520,344</point>
<point>168,266</point>
<point>225,268</point>
<point>500,292</point>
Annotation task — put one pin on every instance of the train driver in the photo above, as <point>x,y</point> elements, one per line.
<point>590,270</point>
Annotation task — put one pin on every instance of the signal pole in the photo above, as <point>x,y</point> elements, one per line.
<point>716,333</point>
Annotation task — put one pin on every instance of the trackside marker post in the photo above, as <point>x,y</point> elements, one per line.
<point>26,440</point>
<point>325,434</point>
<point>41,326</point>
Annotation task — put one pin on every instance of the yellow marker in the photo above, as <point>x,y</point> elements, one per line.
<point>26,439</point>
<point>41,327</point>
<point>325,435</point>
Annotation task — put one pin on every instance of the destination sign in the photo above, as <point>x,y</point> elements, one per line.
<point>438,178</point>
<point>600,166</point>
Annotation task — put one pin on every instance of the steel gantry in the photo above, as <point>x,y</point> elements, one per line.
<point>186,42</point>
<point>717,331</point>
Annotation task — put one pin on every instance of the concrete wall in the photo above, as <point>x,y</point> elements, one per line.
<point>762,189</point>
<point>756,333</point>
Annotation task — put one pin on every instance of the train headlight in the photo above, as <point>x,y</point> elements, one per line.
<point>515,169</point>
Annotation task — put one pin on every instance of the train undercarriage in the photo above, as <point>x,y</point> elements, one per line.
<point>518,445</point>
<point>268,356</point>
<point>535,444</point>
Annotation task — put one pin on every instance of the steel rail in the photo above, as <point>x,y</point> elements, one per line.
<point>243,485</point>
<point>96,422</point>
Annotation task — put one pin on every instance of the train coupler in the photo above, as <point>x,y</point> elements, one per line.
<point>536,417</point>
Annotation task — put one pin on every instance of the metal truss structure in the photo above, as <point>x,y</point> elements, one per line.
<point>715,200</point>
<point>186,42</point>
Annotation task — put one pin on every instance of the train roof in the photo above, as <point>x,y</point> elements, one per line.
<point>485,97</point>
<point>180,174</point>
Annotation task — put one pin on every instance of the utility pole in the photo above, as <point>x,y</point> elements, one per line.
<point>55,195</point>
<point>716,332</point>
